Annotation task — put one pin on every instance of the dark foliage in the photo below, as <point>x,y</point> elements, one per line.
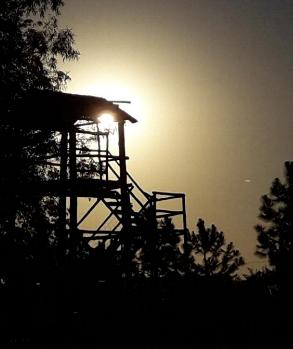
<point>210,255</point>
<point>178,295</point>
<point>275,235</point>
<point>160,254</point>
<point>31,45</point>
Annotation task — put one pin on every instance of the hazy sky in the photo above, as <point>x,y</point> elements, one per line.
<point>211,84</point>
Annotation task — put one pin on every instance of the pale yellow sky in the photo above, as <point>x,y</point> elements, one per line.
<point>211,86</point>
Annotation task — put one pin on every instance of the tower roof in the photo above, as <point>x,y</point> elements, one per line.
<point>42,109</point>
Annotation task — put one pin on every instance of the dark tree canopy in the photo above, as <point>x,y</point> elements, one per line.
<point>31,44</point>
<point>210,254</point>
<point>160,255</point>
<point>275,235</point>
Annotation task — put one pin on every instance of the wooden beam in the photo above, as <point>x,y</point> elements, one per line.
<point>73,177</point>
<point>63,178</point>
<point>125,200</point>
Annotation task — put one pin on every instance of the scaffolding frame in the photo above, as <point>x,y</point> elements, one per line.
<point>108,181</point>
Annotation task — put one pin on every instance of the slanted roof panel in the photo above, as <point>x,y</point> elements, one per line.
<point>58,110</point>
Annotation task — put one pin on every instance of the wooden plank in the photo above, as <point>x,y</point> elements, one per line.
<point>171,195</point>
<point>177,212</point>
<point>92,133</point>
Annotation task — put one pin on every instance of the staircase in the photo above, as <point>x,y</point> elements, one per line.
<point>143,207</point>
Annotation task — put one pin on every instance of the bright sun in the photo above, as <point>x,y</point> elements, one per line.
<point>117,92</point>
<point>106,121</point>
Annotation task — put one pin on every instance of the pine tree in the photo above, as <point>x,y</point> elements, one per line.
<point>210,255</point>
<point>275,235</point>
<point>160,255</point>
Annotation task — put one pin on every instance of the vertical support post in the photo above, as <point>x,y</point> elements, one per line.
<point>155,232</point>
<point>73,177</point>
<point>99,152</point>
<point>107,157</point>
<point>154,218</point>
<point>184,223</point>
<point>63,178</point>
<point>125,201</point>
<point>152,236</point>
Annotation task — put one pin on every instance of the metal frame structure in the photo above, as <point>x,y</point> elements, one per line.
<point>88,169</point>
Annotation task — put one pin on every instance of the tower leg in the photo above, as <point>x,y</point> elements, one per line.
<point>63,178</point>
<point>73,194</point>
<point>125,200</point>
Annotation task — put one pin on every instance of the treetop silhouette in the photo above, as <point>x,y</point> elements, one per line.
<point>209,253</point>
<point>275,235</point>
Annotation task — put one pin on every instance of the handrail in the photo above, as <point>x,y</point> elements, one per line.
<point>117,225</point>
<point>130,191</point>
<point>112,169</point>
<point>146,195</point>
<point>89,211</point>
<point>104,221</point>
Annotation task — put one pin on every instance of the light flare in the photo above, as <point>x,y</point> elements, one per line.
<point>106,122</point>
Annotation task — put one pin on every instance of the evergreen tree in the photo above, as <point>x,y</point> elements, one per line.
<point>160,255</point>
<point>275,235</point>
<point>210,255</point>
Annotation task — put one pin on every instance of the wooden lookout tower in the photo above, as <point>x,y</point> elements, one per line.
<point>91,163</point>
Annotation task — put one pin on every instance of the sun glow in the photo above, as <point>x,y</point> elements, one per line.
<point>117,91</point>
<point>106,122</point>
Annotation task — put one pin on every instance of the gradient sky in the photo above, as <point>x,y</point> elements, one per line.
<point>211,83</point>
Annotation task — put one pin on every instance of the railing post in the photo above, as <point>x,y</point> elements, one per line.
<point>185,236</point>
<point>73,177</point>
<point>125,201</point>
<point>63,179</point>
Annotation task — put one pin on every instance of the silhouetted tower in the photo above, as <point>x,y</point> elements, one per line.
<point>90,161</point>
